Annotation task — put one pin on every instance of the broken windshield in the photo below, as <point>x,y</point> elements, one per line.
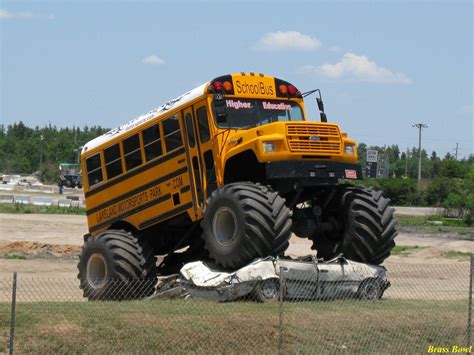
<point>247,113</point>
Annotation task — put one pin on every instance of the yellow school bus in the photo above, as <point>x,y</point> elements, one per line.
<point>229,169</point>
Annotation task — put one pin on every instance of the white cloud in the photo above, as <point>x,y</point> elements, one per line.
<point>358,68</point>
<point>153,59</point>
<point>9,15</point>
<point>290,40</point>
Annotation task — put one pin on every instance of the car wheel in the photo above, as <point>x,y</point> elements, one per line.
<point>267,290</point>
<point>371,289</point>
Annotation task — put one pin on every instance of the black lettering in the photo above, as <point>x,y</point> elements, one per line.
<point>239,87</point>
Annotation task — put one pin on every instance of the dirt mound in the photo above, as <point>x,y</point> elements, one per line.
<point>30,250</point>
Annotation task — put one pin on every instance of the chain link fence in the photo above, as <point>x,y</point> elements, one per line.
<point>408,310</point>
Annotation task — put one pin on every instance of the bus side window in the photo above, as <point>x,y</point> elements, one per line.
<point>190,130</point>
<point>131,150</point>
<point>203,123</point>
<point>172,133</point>
<point>113,163</point>
<point>152,142</point>
<point>94,170</point>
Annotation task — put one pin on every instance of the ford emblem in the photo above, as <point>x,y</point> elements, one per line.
<point>314,138</point>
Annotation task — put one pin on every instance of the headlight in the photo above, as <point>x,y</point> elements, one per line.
<point>268,147</point>
<point>349,149</point>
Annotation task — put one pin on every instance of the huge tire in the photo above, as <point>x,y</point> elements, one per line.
<point>244,221</point>
<point>366,226</point>
<point>116,265</point>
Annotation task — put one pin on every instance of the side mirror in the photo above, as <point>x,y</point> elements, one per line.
<point>320,104</point>
<point>323,117</point>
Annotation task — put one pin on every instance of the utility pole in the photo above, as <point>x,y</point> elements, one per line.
<point>406,163</point>
<point>41,153</point>
<point>420,126</point>
<point>457,150</point>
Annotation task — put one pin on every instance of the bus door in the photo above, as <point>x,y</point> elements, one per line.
<point>193,156</point>
<point>201,122</point>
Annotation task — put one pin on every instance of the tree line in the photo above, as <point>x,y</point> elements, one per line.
<point>25,150</point>
<point>446,181</point>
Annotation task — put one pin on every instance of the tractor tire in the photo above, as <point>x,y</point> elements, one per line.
<point>116,265</point>
<point>68,183</point>
<point>244,221</point>
<point>367,226</point>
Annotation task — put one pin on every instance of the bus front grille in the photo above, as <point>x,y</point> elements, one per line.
<point>313,138</point>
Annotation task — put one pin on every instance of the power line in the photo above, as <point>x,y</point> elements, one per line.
<point>420,126</point>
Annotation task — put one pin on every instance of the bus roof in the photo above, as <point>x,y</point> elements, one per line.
<point>124,128</point>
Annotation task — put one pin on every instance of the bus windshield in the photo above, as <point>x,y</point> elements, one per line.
<point>247,113</point>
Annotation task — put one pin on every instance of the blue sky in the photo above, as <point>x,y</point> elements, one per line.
<point>381,66</point>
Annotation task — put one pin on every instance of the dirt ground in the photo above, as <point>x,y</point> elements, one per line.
<point>39,247</point>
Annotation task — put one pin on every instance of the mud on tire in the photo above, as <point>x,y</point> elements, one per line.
<point>369,226</point>
<point>244,221</point>
<point>116,265</point>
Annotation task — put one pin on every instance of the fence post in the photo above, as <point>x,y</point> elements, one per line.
<point>281,297</point>
<point>469,310</point>
<point>13,315</point>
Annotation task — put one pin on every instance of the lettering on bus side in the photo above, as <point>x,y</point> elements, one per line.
<point>178,183</point>
<point>129,204</point>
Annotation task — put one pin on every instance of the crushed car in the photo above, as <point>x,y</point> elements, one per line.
<point>305,278</point>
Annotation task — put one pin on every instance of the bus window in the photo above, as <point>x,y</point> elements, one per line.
<point>172,133</point>
<point>190,130</point>
<point>204,133</point>
<point>113,163</point>
<point>94,170</point>
<point>152,142</point>
<point>131,150</point>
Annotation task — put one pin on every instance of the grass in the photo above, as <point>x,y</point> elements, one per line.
<point>197,326</point>
<point>424,224</point>
<point>405,250</point>
<point>14,256</point>
<point>457,255</point>
<point>27,208</point>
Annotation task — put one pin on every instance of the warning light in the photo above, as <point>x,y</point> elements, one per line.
<point>227,86</point>
<point>218,86</point>
<point>283,89</point>
<point>291,90</point>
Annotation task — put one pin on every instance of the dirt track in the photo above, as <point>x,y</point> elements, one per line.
<point>65,233</point>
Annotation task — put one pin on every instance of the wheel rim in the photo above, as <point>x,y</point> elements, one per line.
<point>224,225</point>
<point>96,270</point>
<point>269,289</point>
<point>370,291</point>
